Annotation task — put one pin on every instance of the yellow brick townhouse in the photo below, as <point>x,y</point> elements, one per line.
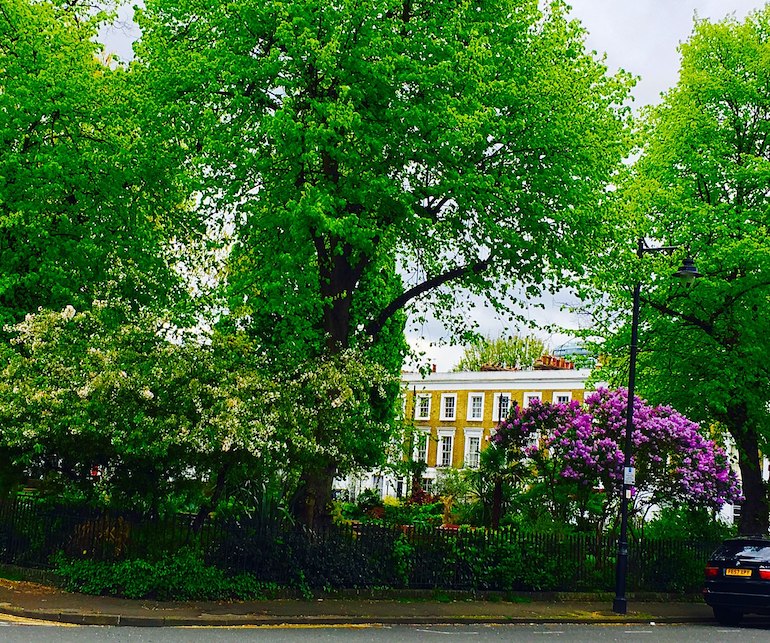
<point>454,414</point>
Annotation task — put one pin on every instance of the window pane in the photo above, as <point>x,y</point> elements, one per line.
<point>474,446</point>
<point>423,407</point>
<point>741,550</point>
<point>476,405</point>
<point>528,399</point>
<point>422,447</point>
<point>446,451</point>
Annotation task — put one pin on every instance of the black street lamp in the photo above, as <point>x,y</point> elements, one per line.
<point>688,273</point>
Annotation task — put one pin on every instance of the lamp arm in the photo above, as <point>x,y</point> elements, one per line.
<point>643,249</point>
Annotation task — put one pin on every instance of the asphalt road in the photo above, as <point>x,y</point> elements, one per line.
<point>19,631</point>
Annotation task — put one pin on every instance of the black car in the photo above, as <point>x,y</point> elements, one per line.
<point>738,579</point>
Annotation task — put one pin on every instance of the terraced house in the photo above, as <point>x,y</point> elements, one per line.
<point>454,414</point>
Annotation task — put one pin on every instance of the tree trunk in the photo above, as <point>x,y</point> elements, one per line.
<point>207,507</point>
<point>497,502</point>
<point>754,510</point>
<point>338,280</point>
<point>312,505</point>
<point>339,277</point>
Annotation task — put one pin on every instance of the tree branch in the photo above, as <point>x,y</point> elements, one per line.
<point>375,327</point>
<point>706,327</point>
<point>732,298</point>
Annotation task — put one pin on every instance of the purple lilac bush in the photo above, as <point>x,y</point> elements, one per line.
<point>582,444</point>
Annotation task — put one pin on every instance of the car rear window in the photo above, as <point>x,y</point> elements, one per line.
<point>749,551</point>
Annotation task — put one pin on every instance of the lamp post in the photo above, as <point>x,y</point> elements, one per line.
<point>687,273</point>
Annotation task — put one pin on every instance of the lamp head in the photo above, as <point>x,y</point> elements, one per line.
<point>687,272</point>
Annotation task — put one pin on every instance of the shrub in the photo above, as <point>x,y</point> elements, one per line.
<point>180,576</point>
<point>368,499</point>
<point>688,522</point>
<point>346,511</point>
<point>403,560</point>
<point>419,515</point>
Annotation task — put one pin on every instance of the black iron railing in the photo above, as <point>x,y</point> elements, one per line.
<point>347,556</point>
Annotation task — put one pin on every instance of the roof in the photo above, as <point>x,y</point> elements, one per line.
<point>532,380</point>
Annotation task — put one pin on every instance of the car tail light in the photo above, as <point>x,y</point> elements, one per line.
<point>764,573</point>
<point>713,572</point>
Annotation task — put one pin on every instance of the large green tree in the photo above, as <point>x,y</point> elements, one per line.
<point>501,352</point>
<point>701,181</point>
<point>375,157</point>
<point>85,205</point>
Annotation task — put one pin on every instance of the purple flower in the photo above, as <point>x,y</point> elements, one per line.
<point>674,461</point>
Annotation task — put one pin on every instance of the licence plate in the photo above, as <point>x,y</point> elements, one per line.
<point>737,572</point>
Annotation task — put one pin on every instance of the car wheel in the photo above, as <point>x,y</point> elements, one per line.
<point>726,616</point>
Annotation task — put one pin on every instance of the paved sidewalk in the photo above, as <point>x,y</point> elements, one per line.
<point>32,600</point>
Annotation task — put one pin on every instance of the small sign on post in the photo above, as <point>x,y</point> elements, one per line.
<point>629,475</point>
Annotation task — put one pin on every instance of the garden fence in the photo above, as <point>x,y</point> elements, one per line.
<point>353,556</point>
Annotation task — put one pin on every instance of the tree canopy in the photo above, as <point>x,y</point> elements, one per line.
<point>85,206</point>
<point>467,141</point>
<point>501,352</point>
<point>701,181</point>
<point>374,157</point>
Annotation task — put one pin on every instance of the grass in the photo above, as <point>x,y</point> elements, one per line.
<point>516,598</point>
<point>10,574</point>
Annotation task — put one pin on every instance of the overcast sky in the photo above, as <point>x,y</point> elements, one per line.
<point>640,36</point>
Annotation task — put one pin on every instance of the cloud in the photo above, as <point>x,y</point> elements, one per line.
<point>643,36</point>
